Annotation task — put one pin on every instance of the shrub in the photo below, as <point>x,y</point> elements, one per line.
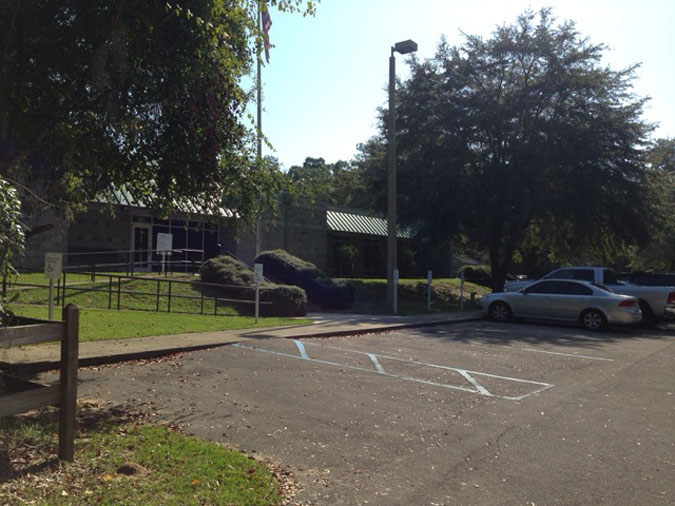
<point>238,278</point>
<point>479,274</point>
<point>286,301</point>
<point>291,270</point>
<point>226,270</point>
<point>11,239</point>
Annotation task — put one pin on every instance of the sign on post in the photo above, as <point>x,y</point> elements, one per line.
<point>164,246</point>
<point>258,278</point>
<point>53,267</point>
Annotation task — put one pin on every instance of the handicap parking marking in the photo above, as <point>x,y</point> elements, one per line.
<point>376,360</point>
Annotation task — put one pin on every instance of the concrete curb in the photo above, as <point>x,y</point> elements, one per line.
<point>47,365</point>
<point>387,328</point>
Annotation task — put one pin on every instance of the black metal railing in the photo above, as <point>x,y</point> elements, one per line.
<point>113,286</point>
<point>128,261</point>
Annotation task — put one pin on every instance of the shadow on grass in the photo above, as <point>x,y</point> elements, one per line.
<point>29,441</point>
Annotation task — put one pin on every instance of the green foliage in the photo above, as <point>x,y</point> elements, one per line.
<point>175,468</point>
<point>340,183</point>
<point>11,229</point>
<point>225,270</point>
<point>286,301</point>
<point>479,274</point>
<point>659,253</point>
<point>11,240</point>
<point>522,137</point>
<point>321,289</point>
<point>142,95</point>
<point>370,295</point>
<point>103,325</point>
<point>347,255</point>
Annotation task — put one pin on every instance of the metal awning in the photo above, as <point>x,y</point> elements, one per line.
<point>353,223</point>
<point>122,197</point>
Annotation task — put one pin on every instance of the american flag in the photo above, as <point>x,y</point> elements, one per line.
<point>266,25</point>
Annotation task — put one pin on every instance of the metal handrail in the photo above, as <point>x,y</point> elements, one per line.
<point>63,286</point>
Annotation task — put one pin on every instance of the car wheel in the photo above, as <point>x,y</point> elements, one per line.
<point>592,319</point>
<point>499,311</point>
<point>648,318</point>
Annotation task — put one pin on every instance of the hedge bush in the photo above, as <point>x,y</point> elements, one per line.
<point>238,278</point>
<point>226,270</point>
<point>479,274</point>
<point>321,290</point>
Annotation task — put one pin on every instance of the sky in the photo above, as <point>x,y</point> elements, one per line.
<point>328,74</point>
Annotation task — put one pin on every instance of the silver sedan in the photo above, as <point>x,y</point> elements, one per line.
<point>592,305</point>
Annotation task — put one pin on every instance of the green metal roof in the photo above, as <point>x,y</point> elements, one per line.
<point>192,206</point>
<point>354,223</point>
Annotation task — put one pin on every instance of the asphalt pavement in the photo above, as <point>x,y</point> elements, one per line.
<point>472,414</point>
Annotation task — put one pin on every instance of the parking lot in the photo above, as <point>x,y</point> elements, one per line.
<point>473,413</point>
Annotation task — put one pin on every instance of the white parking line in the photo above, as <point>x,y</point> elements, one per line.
<point>376,363</point>
<point>470,376</point>
<point>571,355</point>
<point>574,355</point>
<point>301,349</point>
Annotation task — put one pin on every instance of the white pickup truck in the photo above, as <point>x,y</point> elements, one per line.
<point>655,301</point>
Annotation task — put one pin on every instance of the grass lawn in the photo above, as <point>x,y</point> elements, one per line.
<point>121,460</point>
<point>151,293</point>
<point>98,324</point>
<point>371,295</point>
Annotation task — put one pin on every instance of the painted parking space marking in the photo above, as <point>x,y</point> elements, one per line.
<point>559,353</point>
<point>573,355</point>
<point>474,380</point>
<point>301,348</point>
<point>376,363</point>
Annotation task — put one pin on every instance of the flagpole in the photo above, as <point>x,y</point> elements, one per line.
<point>258,220</point>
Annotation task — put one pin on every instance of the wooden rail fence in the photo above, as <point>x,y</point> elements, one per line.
<point>62,394</point>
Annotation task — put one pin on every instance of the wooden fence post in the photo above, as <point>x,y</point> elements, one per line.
<point>68,405</point>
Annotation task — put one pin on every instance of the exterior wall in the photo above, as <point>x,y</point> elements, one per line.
<point>298,229</point>
<point>99,230</point>
<point>54,239</point>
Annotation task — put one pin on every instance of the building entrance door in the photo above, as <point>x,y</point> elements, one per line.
<point>142,245</point>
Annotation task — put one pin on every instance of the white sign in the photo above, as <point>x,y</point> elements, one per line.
<point>258,273</point>
<point>164,242</point>
<point>53,263</point>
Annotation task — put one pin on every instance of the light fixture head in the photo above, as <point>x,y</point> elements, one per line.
<point>405,47</point>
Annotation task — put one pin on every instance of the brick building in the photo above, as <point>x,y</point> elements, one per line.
<point>123,232</point>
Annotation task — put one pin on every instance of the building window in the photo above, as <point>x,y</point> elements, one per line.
<point>373,260</point>
<point>344,254</point>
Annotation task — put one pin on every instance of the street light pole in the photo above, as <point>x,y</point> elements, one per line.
<point>404,47</point>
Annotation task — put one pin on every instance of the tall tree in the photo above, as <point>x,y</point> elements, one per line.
<point>659,253</point>
<point>523,136</point>
<point>340,183</point>
<point>141,94</point>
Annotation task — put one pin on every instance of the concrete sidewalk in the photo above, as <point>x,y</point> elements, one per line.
<point>46,357</point>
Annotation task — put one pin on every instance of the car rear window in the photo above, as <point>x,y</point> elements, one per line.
<point>584,275</point>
